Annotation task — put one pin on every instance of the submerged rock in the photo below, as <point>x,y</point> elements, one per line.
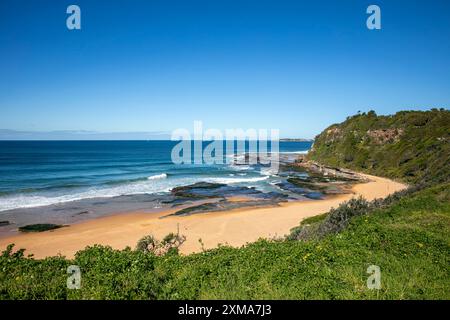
<point>197,190</point>
<point>81,213</point>
<point>223,206</point>
<point>204,190</point>
<point>40,227</point>
<point>288,186</point>
<point>307,193</point>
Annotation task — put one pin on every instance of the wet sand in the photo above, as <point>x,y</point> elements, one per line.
<point>234,227</point>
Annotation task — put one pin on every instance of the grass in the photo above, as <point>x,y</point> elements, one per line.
<point>409,240</point>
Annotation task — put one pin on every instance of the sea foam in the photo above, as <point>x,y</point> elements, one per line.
<point>157,176</point>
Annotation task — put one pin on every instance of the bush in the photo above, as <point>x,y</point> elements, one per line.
<point>169,244</point>
<point>333,222</point>
<point>147,244</point>
<point>338,219</point>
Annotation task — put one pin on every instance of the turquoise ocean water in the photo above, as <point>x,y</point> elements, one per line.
<point>42,173</point>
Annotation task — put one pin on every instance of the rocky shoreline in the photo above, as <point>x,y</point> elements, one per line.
<point>326,171</point>
<point>298,179</point>
<point>301,179</point>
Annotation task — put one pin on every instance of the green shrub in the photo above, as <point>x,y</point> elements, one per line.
<point>146,244</point>
<point>169,244</point>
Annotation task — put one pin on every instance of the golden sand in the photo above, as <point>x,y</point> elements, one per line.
<point>235,227</point>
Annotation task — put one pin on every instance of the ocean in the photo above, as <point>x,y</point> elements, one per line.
<point>35,174</point>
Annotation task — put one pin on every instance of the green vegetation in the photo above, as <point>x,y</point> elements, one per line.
<point>410,145</point>
<point>170,243</point>
<point>409,240</point>
<point>336,220</point>
<point>40,227</point>
<point>407,235</point>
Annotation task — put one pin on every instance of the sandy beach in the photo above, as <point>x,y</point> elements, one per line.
<point>235,227</point>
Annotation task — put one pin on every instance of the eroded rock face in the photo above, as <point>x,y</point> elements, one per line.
<point>383,136</point>
<point>331,135</point>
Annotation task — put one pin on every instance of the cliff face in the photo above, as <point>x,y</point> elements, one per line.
<point>411,145</point>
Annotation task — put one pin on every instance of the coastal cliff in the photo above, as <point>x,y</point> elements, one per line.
<point>413,146</point>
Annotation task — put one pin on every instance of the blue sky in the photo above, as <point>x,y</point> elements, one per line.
<point>298,66</point>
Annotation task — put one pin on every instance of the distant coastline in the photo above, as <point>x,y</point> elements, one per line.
<point>296,140</point>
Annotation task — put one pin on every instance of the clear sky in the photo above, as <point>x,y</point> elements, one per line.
<point>158,65</point>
